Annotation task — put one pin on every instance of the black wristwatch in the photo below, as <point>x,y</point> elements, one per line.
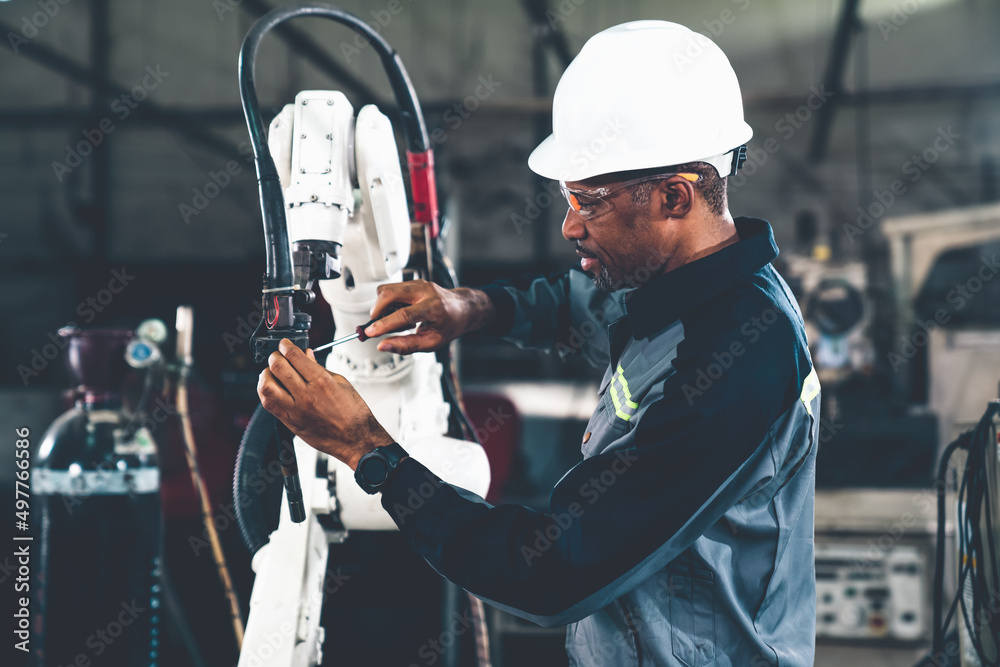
<point>376,467</point>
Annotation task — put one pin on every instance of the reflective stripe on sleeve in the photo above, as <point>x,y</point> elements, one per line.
<point>810,390</point>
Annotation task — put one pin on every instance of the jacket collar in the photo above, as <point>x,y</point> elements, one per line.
<point>668,296</point>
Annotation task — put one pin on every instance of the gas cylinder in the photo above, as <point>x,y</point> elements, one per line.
<point>96,483</point>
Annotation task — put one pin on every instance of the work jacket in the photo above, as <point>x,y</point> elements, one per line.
<point>685,535</point>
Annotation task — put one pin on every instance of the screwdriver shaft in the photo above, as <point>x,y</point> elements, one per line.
<point>336,342</point>
<point>358,333</point>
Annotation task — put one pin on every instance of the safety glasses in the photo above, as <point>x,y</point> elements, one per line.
<point>594,203</point>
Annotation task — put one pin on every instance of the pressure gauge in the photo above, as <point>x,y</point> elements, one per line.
<point>142,353</point>
<point>152,330</point>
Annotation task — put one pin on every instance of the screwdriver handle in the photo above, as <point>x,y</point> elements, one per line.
<point>359,331</point>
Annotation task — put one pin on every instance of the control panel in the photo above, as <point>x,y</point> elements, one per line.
<point>871,590</point>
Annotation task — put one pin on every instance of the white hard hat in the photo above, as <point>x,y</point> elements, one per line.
<point>640,95</point>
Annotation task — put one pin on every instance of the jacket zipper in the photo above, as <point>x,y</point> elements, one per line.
<point>632,629</point>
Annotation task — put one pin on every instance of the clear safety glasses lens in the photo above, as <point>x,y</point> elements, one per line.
<point>587,205</point>
<point>594,203</point>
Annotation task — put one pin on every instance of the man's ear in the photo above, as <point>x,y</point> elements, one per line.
<point>675,196</point>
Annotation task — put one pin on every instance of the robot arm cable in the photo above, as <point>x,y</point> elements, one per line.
<point>279,278</point>
<point>420,160</point>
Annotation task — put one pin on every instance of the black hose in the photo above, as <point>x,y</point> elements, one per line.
<point>279,265</point>
<point>942,658</point>
<point>402,88</point>
<point>280,275</point>
<point>279,272</point>
<point>940,487</point>
<point>278,253</point>
<point>977,559</point>
<point>977,552</point>
<point>459,425</point>
<point>257,482</point>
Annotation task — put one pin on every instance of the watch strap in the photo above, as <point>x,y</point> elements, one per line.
<point>376,468</point>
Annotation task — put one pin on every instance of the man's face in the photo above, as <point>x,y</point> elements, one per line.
<point>619,247</point>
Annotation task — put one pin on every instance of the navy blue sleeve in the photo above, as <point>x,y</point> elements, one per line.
<point>531,309</point>
<point>617,517</point>
<point>503,306</point>
<point>563,312</point>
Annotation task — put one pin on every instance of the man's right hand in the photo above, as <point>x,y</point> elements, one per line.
<point>442,315</point>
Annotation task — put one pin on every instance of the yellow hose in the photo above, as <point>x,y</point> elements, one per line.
<point>206,508</point>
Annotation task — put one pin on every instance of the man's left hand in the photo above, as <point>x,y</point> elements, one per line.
<point>320,407</point>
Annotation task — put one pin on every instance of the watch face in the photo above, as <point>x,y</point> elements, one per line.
<point>375,471</point>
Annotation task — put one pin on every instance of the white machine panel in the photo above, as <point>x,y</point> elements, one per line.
<point>865,590</point>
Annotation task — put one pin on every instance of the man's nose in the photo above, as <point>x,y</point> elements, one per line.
<point>572,226</point>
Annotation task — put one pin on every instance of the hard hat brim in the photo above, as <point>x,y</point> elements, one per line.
<point>551,160</point>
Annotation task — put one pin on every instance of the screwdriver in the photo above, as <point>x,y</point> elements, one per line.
<point>359,333</point>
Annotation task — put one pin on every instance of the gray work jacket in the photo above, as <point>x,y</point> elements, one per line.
<point>685,535</point>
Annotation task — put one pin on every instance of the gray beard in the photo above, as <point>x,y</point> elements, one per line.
<point>604,282</point>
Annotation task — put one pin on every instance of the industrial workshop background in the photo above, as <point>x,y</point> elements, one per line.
<point>127,188</point>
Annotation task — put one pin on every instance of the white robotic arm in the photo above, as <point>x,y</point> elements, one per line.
<point>322,154</point>
<point>345,198</point>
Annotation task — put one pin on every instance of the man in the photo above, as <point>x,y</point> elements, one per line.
<point>685,536</point>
